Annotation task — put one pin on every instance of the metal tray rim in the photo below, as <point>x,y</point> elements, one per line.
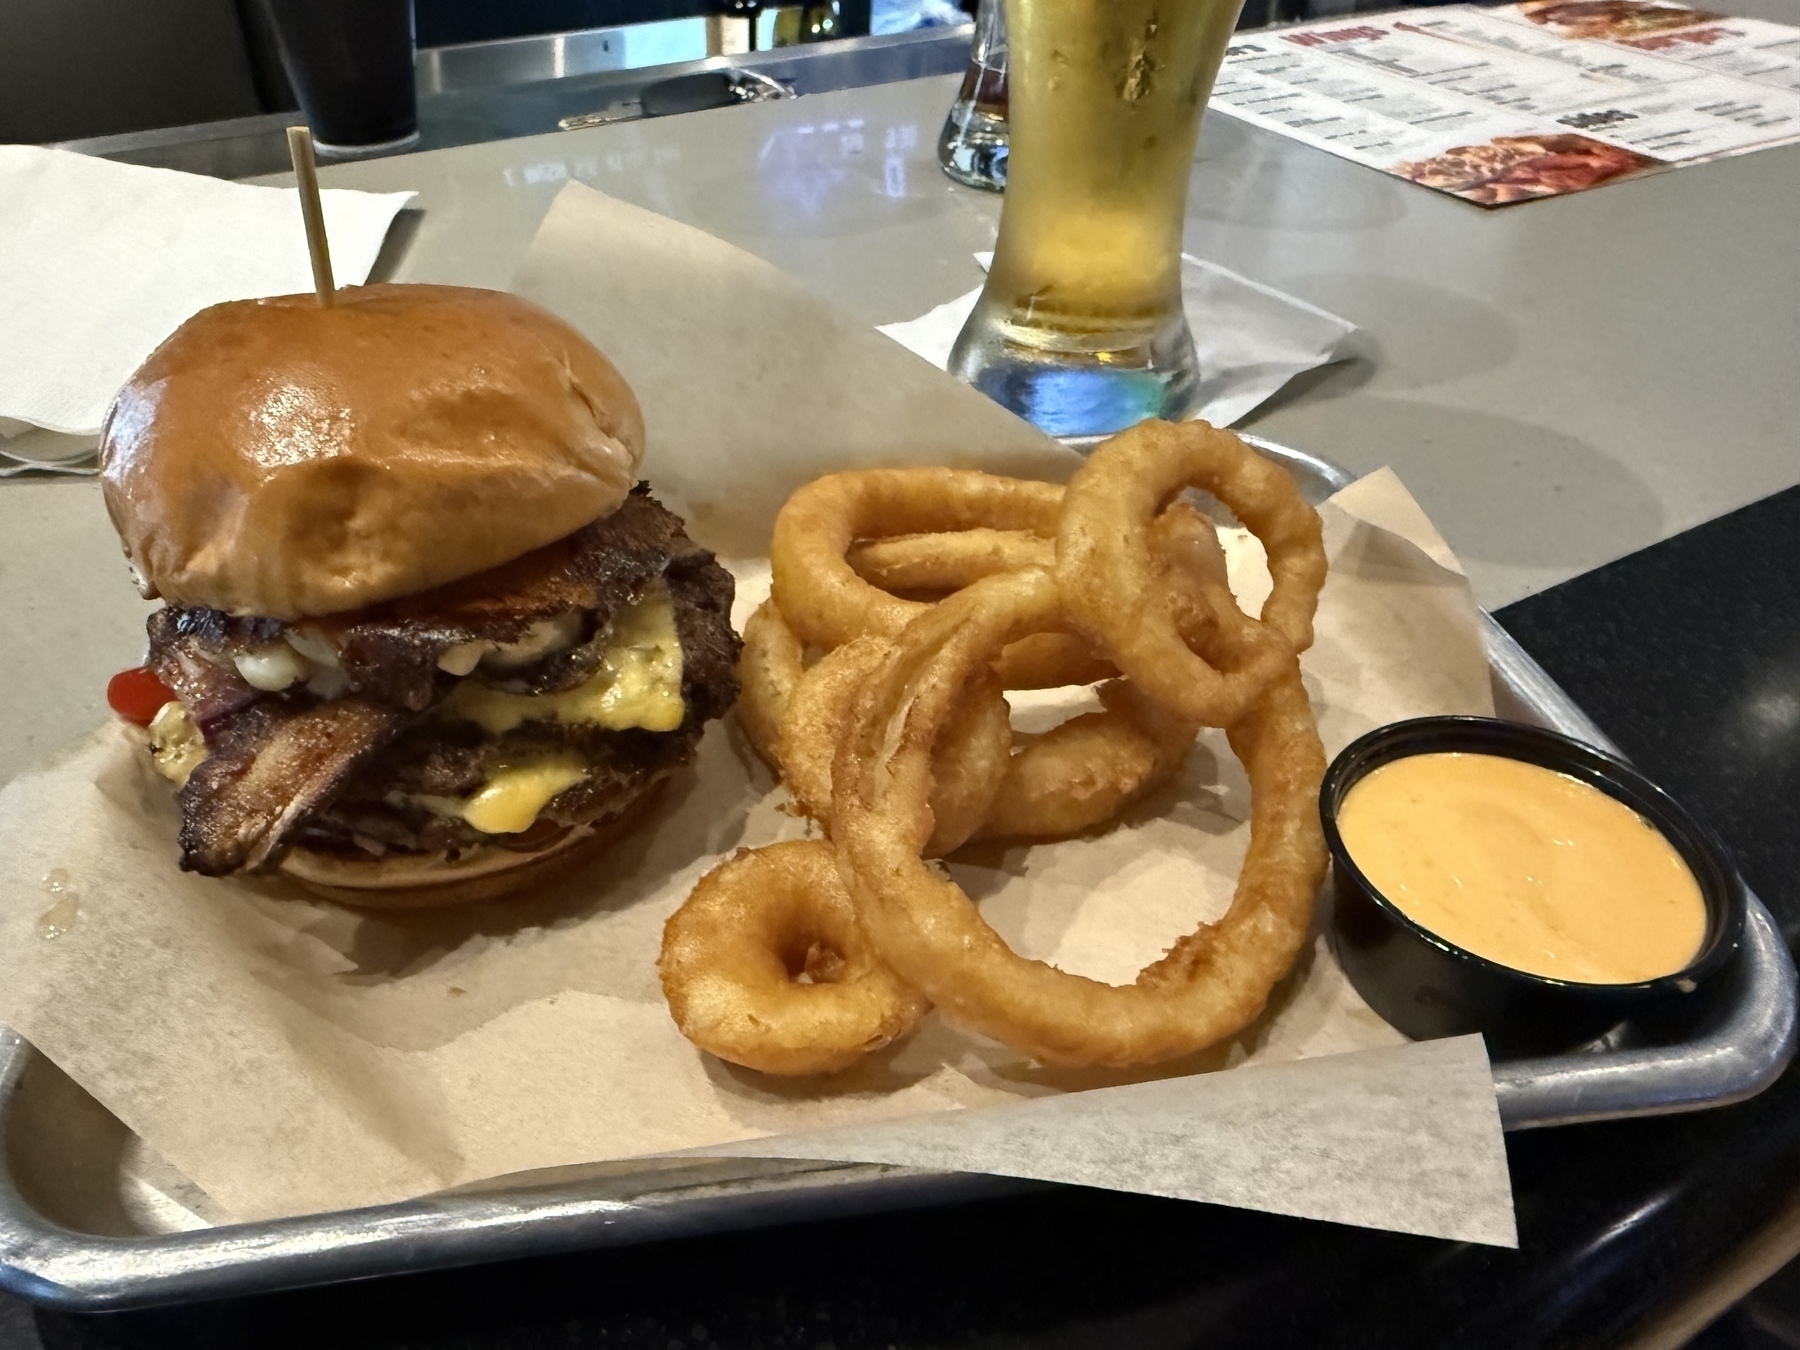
<point>48,1263</point>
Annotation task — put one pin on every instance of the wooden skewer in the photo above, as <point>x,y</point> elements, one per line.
<point>300,150</point>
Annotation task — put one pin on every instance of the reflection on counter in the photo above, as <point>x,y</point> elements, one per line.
<point>807,168</point>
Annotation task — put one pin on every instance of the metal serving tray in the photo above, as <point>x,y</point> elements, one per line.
<point>1734,1049</point>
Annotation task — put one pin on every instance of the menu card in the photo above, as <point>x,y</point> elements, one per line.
<point>1522,101</point>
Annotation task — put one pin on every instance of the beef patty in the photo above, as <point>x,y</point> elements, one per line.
<point>343,743</point>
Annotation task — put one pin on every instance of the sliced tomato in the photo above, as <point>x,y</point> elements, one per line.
<point>137,695</point>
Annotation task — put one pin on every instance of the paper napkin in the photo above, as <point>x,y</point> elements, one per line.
<point>100,261</point>
<point>1251,339</point>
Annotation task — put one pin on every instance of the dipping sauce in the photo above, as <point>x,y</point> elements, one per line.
<point>1525,866</point>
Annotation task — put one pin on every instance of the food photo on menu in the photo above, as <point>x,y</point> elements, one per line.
<point>595,756</point>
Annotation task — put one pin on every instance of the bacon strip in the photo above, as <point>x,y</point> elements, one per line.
<point>390,652</point>
<point>270,769</point>
<point>210,690</point>
<point>280,763</point>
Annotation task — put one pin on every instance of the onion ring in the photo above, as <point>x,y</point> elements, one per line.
<point>1207,987</point>
<point>823,598</point>
<point>1069,779</point>
<point>1082,773</point>
<point>732,953</point>
<point>969,764</point>
<point>950,560</point>
<point>827,604</point>
<point>772,662</point>
<point>1189,542</point>
<point>947,561</point>
<point>1117,586</point>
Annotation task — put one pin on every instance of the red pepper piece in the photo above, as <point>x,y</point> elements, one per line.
<point>137,695</point>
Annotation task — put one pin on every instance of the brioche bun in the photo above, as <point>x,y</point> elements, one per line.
<point>286,459</point>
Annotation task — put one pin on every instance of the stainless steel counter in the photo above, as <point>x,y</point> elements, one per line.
<point>489,91</point>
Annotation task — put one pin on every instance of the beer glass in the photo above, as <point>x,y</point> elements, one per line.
<point>972,145</point>
<point>1080,328</point>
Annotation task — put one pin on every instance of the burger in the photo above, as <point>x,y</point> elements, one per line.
<point>424,637</point>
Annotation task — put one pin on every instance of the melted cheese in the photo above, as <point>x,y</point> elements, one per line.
<point>638,683</point>
<point>510,800</point>
<point>176,745</point>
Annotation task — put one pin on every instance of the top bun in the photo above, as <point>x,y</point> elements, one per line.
<point>282,458</point>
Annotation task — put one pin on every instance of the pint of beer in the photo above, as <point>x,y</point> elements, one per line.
<point>1080,327</point>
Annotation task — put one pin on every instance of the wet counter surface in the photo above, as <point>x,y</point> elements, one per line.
<point>1561,384</point>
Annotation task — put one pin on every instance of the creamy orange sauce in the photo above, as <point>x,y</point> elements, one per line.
<point>1525,866</point>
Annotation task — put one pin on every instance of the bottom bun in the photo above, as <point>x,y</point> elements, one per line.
<point>412,881</point>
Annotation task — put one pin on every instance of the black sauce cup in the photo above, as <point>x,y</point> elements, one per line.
<point>1428,987</point>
